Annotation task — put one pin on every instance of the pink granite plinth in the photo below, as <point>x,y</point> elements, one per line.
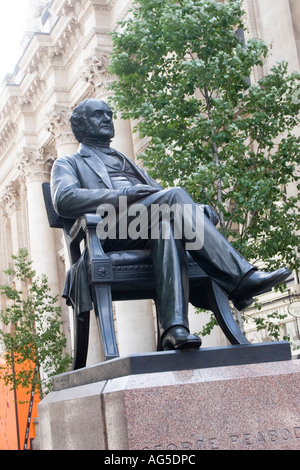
<point>241,407</point>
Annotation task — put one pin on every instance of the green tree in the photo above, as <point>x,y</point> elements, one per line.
<point>31,330</point>
<point>184,74</point>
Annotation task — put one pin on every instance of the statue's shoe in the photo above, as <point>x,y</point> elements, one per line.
<point>177,337</point>
<point>256,283</point>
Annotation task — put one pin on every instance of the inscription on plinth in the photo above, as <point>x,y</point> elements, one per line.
<point>246,440</point>
<point>240,407</point>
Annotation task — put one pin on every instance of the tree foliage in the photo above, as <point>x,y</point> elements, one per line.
<point>270,325</point>
<point>31,329</point>
<point>184,74</point>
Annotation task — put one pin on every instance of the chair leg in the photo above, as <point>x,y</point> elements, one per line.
<point>158,336</point>
<point>220,306</point>
<point>81,339</point>
<point>211,297</point>
<point>102,301</point>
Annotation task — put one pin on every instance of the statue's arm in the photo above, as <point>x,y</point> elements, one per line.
<point>69,199</point>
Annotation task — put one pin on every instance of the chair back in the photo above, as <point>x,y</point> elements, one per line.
<point>55,221</point>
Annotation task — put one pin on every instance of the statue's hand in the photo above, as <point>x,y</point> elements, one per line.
<point>211,214</point>
<point>139,191</point>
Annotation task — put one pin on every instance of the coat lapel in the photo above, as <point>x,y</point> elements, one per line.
<point>95,163</point>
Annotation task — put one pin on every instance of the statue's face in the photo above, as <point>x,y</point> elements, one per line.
<point>100,119</point>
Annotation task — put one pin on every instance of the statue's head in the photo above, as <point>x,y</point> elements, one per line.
<point>92,119</point>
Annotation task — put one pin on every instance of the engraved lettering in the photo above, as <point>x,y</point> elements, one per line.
<point>260,438</point>
<point>171,447</point>
<point>186,445</point>
<point>248,439</point>
<point>213,443</point>
<point>286,434</point>
<point>200,444</point>
<point>273,435</point>
<point>297,432</point>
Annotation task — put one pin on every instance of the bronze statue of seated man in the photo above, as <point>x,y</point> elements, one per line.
<point>99,176</point>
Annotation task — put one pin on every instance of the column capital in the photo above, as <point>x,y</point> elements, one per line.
<point>95,71</point>
<point>10,200</point>
<point>35,164</point>
<point>58,124</point>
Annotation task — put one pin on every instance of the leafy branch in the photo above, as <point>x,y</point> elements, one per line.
<point>31,331</point>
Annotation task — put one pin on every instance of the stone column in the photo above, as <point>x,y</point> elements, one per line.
<point>35,166</point>
<point>268,15</point>
<point>13,211</point>
<point>295,14</point>
<point>13,236</point>
<point>5,240</point>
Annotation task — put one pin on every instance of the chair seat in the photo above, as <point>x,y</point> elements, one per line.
<point>135,266</point>
<point>130,257</point>
<point>138,257</point>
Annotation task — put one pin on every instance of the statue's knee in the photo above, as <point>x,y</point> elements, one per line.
<point>177,195</point>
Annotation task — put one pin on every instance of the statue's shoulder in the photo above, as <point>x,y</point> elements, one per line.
<point>70,159</point>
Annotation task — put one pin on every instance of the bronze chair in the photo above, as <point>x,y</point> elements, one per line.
<point>127,275</point>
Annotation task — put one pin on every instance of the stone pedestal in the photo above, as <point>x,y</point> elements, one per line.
<point>237,405</point>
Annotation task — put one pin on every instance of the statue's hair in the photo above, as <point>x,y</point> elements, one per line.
<point>79,123</point>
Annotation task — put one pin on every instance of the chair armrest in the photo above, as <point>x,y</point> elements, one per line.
<point>90,220</point>
<point>82,224</point>
<point>85,229</point>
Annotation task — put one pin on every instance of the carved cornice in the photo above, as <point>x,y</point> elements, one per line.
<point>10,108</point>
<point>33,94</point>
<point>7,134</point>
<point>67,40</point>
<point>75,8</point>
<point>58,124</point>
<point>71,8</point>
<point>38,61</point>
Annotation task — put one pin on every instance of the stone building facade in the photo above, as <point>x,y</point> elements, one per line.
<point>65,60</point>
